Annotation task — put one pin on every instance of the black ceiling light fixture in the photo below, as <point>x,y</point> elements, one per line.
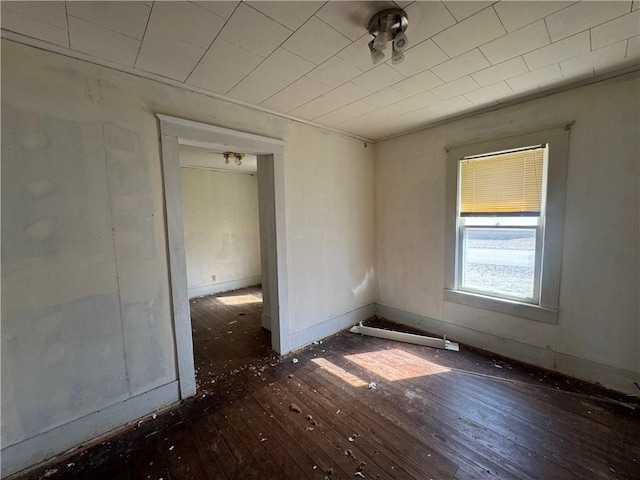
<point>388,26</point>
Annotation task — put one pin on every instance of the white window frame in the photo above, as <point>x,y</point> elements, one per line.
<point>545,304</point>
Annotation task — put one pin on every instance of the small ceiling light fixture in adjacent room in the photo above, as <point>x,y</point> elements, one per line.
<point>238,157</point>
<point>384,26</point>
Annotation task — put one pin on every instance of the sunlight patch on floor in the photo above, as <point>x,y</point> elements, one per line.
<point>395,364</point>
<point>237,299</point>
<point>339,372</point>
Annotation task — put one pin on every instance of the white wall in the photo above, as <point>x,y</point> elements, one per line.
<point>221,230</point>
<point>86,319</point>
<point>598,332</point>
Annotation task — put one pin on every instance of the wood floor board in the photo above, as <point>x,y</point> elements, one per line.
<point>458,439</point>
<point>381,438</point>
<point>433,414</point>
<point>337,434</point>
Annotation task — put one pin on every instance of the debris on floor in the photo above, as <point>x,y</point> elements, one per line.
<point>295,408</point>
<point>294,360</point>
<point>48,473</point>
<point>359,474</point>
<point>373,385</point>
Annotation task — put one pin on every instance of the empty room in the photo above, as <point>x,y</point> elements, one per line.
<point>320,240</point>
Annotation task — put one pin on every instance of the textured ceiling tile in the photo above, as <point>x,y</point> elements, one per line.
<point>378,78</point>
<point>602,60</point>
<point>231,58</point>
<point>346,113</point>
<point>428,114</point>
<point>183,22</point>
<point>502,71</point>
<point>455,88</point>
<point>42,20</point>
<point>285,65</point>
<point>253,31</point>
<point>316,41</point>
<point>222,9</point>
<point>307,89</point>
<point>559,51</point>
<point>334,72</point>
<point>384,97</point>
<point>351,18</point>
<point>332,100</point>
<point>583,15</point>
<point>177,36</point>
<point>168,58</point>
<point>283,102</point>
<point>126,18</point>
<point>490,94</point>
<point>616,30</point>
<point>530,81</point>
<point>421,100</point>
<point>470,33</point>
<point>426,19</point>
<point>256,88</point>
<point>291,14</point>
<point>213,78</point>
<point>464,9</point>
<point>515,15</point>
<point>460,66</point>
<point>357,54</point>
<point>421,57</point>
<point>516,43</point>
<point>418,83</point>
<point>633,49</point>
<point>89,38</point>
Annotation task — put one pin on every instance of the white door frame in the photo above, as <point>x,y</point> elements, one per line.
<point>175,132</point>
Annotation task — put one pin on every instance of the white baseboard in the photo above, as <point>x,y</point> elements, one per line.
<point>59,440</point>
<point>224,286</point>
<point>331,326</point>
<point>611,377</point>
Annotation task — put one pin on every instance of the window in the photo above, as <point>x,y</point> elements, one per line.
<point>500,222</point>
<point>505,211</point>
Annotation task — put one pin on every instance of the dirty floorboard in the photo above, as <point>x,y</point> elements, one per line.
<point>361,407</point>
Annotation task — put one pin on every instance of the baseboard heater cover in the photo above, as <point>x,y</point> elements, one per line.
<point>406,337</point>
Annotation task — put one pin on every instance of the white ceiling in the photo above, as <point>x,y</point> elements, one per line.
<point>310,60</point>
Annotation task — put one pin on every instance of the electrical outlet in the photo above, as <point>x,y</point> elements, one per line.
<point>213,278</point>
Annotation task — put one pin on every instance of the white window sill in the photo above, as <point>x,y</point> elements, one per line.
<point>508,307</point>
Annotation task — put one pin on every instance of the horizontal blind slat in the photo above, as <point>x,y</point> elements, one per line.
<point>502,183</point>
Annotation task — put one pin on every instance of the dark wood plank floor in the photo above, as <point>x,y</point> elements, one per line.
<point>432,415</point>
<point>227,335</point>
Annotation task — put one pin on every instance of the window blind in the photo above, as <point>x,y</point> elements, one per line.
<point>502,183</point>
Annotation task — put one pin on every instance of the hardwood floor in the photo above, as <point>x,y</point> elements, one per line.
<point>227,334</point>
<point>433,414</point>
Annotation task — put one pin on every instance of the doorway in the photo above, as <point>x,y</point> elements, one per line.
<point>222,250</point>
<point>270,176</point>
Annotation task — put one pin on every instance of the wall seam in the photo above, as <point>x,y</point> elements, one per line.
<point>113,238</point>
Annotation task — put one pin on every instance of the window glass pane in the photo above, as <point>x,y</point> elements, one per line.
<point>499,261</point>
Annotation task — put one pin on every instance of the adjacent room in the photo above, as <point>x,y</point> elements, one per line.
<point>320,239</point>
